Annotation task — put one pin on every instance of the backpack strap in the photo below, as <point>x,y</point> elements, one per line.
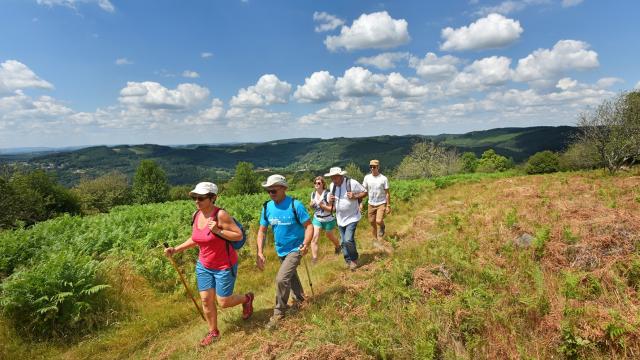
<point>193,217</point>
<point>295,213</point>
<point>333,192</point>
<point>227,242</point>
<point>264,212</point>
<point>348,180</point>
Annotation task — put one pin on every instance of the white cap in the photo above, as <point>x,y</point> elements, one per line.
<point>205,188</point>
<point>275,180</point>
<point>336,171</point>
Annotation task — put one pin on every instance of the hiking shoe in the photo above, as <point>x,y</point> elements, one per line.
<point>381,230</point>
<point>338,250</point>
<point>353,265</point>
<point>274,321</point>
<point>210,337</point>
<point>247,308</point>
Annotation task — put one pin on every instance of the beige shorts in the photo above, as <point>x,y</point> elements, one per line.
<point>376,212</point>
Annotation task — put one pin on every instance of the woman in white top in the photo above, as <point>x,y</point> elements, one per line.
<point>323,219</point>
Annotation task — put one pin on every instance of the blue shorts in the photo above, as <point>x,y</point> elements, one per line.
<point>222,281</point>
<point>324,225</point>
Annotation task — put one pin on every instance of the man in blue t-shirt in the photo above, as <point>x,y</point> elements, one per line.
<point>292,233</point>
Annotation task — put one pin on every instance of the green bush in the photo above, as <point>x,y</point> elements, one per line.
<point>543,162</point>
<point>103,193</point>
<point>492,162</point>
<point>63,296</point>
<point>244,181</point>
<point>150,184</point>
<point>354,172</point>
<point>469,162</point>
<point>180,192</point>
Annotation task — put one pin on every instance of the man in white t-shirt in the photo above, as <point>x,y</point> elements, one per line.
<point>344,194</point>
<point>377,186</point>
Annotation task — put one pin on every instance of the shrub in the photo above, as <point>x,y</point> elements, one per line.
<point>103,193</point>
<point>492,162</point>
<point>150,183</point>
<point>180,192</point>
<point>469,162</point>
<point>579,156</point>
<point>543,162</point>
<point>41,197</point>
<point>63,296</point>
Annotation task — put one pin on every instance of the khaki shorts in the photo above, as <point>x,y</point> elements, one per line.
<point>376,212</point>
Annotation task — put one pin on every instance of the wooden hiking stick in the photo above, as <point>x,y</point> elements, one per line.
<point>184,282</point>
<point>308,276</point>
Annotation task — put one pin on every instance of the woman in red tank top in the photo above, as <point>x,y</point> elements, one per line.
<point>216,269</point>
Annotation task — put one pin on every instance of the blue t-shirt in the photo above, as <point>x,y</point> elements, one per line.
<point>287,233</point>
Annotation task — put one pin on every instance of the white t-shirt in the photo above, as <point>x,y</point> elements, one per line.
<point>347,210</point>
<point>376,186</point>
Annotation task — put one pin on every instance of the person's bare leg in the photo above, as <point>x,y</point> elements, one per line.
<point>314,243</point>
<point>208,298</point>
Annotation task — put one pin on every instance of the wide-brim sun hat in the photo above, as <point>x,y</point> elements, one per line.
<point>335,171</point>
<point>374,162</point>
<point>204,188</point>
<point>275,180</point>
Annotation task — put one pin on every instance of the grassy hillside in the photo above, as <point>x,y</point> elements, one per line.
<point>462,283</point>
<point>189,164</point>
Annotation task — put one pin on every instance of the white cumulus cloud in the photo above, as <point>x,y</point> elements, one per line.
<point>267,91</point>
<point>383,61</point>
<point>370,31</point>
<point>105,5</point>
<point>358,81</point>
<point>15,75</point>
<point>326,22</point>
<point>190,74</point>
<point>318,87</point>
<point>490,71</point>
<point>123,61</point>
<point>152,95</point>
<point>397,86</point>
<point>493,31</point>
<point>550,64</point>
<point>434,67</point>
<point>214,113</point>
<point>206,55</point>
<point>510,6</point>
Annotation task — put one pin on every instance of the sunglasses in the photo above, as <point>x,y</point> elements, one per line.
<point>199,198</point>
<point>318,183</point>
<point>272,191</point>
<point>373,166</point>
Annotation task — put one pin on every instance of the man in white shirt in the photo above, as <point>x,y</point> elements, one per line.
<point>377,186</point>
<point>343,198</point>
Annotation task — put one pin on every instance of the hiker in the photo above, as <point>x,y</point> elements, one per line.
<point>292,232</point>
<point>377,186</point>
<point>217,265</point>
<point>323,218</point>
<point>345,193</point>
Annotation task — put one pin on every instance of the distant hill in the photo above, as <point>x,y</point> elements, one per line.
<point>191,163</point>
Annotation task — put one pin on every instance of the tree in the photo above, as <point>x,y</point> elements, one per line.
<point>103,193</point>
<point>492,162</point>
<point>180,192</point>
<point>469,162</point>
<point>150,183</point>
<point>428,160</point>
<point>10,206</point>
<point>543,162</point>
<point>354,172</point>
<point>40,197</point>
<point>578,156</point>
<point>245,180</point>
<point>613,130</point>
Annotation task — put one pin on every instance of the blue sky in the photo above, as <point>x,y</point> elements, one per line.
<point>85,72</point>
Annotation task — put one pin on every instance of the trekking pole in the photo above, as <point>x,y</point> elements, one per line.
<point>308,276</point>
<point>184,282</point>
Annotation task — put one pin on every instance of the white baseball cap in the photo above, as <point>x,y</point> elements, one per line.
<point>205,188</point>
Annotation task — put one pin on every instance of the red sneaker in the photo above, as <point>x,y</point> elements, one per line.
<point>247,308</point>
<point>210,337</point>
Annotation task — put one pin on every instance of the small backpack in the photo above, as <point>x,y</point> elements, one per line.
<point>325,194</point>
